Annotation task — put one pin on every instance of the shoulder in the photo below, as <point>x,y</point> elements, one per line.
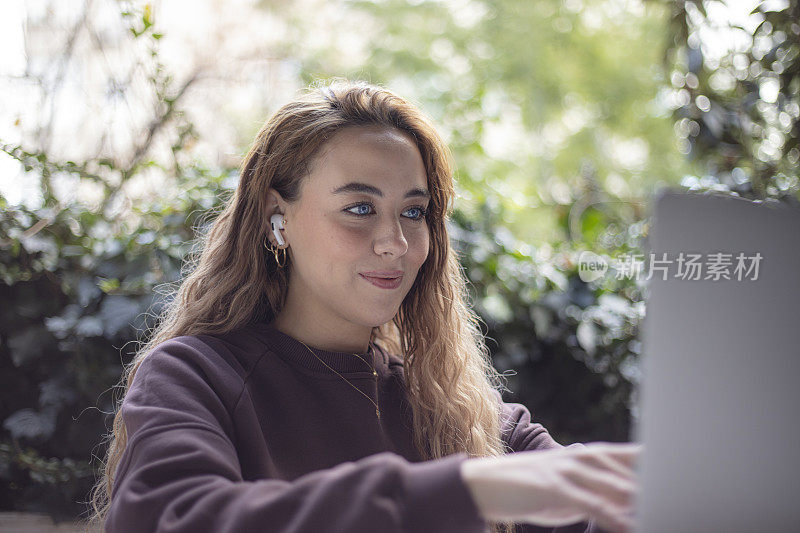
<point>236,351</point>
<point>200,364</point>
<point>393,364</point>
<point>202,352</point>
<point>392,360</point>
<point>180,386</point>
<point>387,358</point>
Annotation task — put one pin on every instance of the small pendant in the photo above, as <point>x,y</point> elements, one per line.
<point>378,413</point>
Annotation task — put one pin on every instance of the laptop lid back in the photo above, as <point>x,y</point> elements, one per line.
<point>720,389</point>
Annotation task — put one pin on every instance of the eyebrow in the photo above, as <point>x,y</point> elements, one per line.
<point>356,186</point>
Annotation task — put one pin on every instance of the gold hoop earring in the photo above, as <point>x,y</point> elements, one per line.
<point>274,249</point>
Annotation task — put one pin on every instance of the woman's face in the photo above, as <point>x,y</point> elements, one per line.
<point>361,209</point>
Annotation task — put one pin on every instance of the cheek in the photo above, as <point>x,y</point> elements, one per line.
<point>337,243</point>
<point>419,245</point>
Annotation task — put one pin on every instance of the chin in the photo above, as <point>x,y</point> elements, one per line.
<point>380,318</point>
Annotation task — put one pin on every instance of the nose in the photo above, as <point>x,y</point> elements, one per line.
<point>390,239</point>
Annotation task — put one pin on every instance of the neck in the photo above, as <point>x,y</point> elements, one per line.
<point>353,339</point>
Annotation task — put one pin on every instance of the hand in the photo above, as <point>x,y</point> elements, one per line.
<point>557,487</point>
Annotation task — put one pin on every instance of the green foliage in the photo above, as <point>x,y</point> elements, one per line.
<point>738,115</point>
<point>536,98</point>
<point>80,287</point>
<point>570,346</point>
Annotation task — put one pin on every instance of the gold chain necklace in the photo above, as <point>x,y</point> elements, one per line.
<point>374,373</point>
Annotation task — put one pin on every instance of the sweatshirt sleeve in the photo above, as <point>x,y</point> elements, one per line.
<point>520,433</point>
<point>180,471</point>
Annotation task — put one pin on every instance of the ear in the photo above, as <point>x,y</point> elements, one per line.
<point>275,204</point>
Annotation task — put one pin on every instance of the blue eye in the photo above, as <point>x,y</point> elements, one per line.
<point>422,211</point>
<point>363,213</point>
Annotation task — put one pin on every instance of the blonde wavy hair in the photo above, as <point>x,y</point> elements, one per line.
<point>232,282</point>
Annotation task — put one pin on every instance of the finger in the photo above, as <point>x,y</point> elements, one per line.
<point>625,524</point>
<point>629,458</point>
<point>626,452</point>
<point>616,447</point>
<point>617,489</point>
<point>607,515</point>
<point>620,522</point>
<point>556,517</point>
<point>606,462</point>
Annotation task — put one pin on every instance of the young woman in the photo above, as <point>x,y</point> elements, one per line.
<point>320,369</point>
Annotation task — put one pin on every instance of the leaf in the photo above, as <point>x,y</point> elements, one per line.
<point>55,392</point>
<point>71,250</point>
<point>87,291</point>
<point>61,325</point>
<point>28,423</point>
<point>108,285</point>
<point>587,336</point>
<point>28,345</point>
<point>89,326</point>
<point>557,278</point>
<point>497,308</point>
<point>117,312</point>
<point>592,225</point>
<point>541,321</point>
<point>615,303</point>
<point>39,242</point>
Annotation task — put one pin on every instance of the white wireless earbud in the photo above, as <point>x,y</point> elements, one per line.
<point>277,222</point>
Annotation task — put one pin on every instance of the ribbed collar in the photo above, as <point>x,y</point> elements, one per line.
<point>294,351</point>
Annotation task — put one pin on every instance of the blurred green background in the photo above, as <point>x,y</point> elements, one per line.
<point>124,124</point>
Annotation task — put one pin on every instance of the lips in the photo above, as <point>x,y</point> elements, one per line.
<point>383,274</point>
<point>384,282</point>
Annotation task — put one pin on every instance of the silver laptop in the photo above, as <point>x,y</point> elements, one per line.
<point>720,389</point>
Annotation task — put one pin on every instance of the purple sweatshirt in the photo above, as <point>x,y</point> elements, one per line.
<point>249,432</point>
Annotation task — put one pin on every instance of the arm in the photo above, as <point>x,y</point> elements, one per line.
<point>180,471</point>
<point>520,433</point>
